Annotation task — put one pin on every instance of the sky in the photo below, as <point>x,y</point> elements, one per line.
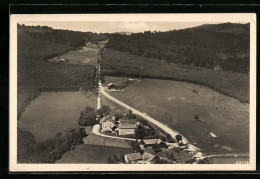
<point>111,26</point>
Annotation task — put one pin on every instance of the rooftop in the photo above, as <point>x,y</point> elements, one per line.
<point>110,84</point>
<point>134,156</point>
<point>152,141</point>
<point>148,157</point>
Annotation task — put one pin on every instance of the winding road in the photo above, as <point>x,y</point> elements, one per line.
<point>102,91</point>
<point>168,130</point>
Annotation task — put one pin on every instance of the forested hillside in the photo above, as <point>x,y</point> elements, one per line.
<point>225,46</point>
<point>35,73</point>
<point>64,37</point>
<point>116,63</point>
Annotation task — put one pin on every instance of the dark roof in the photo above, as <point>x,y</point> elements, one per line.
<point>129,121</point>
<point>134,156</point>
<point>127,126</point>
<point>150,150</point>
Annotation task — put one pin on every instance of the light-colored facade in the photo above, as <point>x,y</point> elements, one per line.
<point>107,126</point>
<point>127,126</point>
<point>107,123</point>
<point>125,131</point>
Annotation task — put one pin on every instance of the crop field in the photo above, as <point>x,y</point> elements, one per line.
<point>85,55</point>
<point>85,153</point>
<point>175,104</point>
<point>54,112</point>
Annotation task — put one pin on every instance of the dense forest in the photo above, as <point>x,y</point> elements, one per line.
<point>225,46</point>
<point>35,73</point>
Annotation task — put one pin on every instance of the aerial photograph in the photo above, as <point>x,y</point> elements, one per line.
<point>133,92</point>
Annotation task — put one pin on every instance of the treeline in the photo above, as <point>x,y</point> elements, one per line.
<point>28,151</point>
<point>58,36</point>
<point>221,45</point>
<point>122,64</point>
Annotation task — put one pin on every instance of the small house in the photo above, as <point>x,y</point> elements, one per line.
<point>151,142</point>
<point>217,68</point>
<point>133,158</point>
<point>111,86</point>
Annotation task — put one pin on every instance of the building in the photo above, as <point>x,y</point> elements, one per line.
<point>107,123</point>
<point>127,126</point>
<point>133,158</point>
<point>217,68</point>
<point>148,157</point>
<point>111,86</point>
<point>151,142</point>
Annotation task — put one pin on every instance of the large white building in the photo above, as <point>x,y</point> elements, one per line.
<point>107,123</point>
<point>127,126</point>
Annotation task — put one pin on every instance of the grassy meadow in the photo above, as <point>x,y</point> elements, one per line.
<point>123,64</point>
<point>54,112</point>
<point>85,55</point>
<point>175,104</point>
<point>92,154</point>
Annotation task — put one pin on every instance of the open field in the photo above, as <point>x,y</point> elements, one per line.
<point>124,64</point>
<point>85,153</point>
<point>230,160</point>
<point>93,139</point>
<point>85,55</point>
<point>175,104</point>
<point>54,112</point>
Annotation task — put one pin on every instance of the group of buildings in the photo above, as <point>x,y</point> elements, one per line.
<point>150,150</point>
<point>120,127</point>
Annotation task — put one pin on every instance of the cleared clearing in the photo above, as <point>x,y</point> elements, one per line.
<point>176,103</point>
<point>54,112</point>
<point>85,55</point>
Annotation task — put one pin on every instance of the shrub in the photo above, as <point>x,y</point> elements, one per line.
<point>196,117</point>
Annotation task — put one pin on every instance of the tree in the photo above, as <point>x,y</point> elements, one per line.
<point>168,136</point>
<point>140,132</point>
<point>130,115</point>
<point>196,117</point>
<point>87,117</point>
<point>178,137</point>
<point>135,145</point>
<point>103,111</point>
